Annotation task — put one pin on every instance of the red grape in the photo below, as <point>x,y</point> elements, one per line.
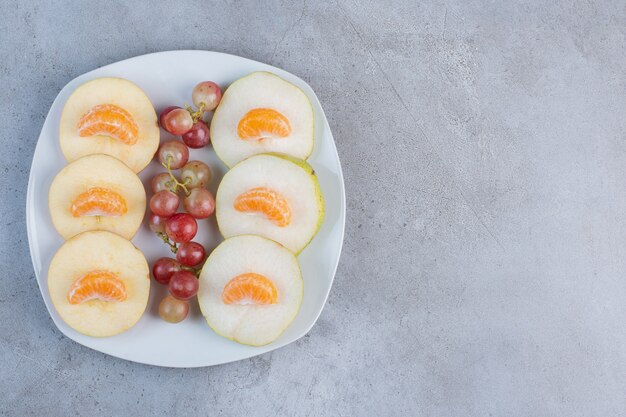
<point>190,253</point>
<point>198,136</point>
<point>181,227</point>
<point>177,121</point>
<point>175,151</point>
<point>157,223</point>
<point>199,203</point>
<point>163,269</point>
<point>161,182</point>
<point>164,113</point>
<point>183,285</point>
<point>207,92</point>
<point>164,203</point>
<point>195,174</point>
<point>173,310</point>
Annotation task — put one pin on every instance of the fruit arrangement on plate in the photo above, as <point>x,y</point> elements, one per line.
<point>268,206</point>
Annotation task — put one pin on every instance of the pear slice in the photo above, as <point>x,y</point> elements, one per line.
<point>274,196</point>
<point>262,113</point>
<point>241,310</point>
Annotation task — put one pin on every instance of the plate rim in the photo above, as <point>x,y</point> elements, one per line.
<point>30,195</point>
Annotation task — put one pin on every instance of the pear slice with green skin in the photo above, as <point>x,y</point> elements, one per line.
<point>293,179</point>
<point>262,90</point>
<point>250,324</point>
<point>320,198</point>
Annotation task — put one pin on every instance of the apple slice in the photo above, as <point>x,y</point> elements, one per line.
<point>109,116</point>
<point>97,192</point>
<point>99,283</point>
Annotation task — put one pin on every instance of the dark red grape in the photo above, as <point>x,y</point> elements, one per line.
<point>183,285</point>
<point>163,269</point>
<point>181,227</point>
<point>198,136</point>
<point>190,253</point>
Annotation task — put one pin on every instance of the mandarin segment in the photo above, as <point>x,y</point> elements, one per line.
<point>109,120</point>
<point>97,285</point>
<point>263,123</point>
<point>250,288</point>
<point>99,201</point>
<point>266,201</point>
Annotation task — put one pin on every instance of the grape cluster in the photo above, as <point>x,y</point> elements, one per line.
<point>177,229</point>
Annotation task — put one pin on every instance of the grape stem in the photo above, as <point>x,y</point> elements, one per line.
<point>173,184</point>
<point>167,241</point>
<point>198,269</point>
<point>197,114</point>
<point>174,248</point>
<point>193,270</point>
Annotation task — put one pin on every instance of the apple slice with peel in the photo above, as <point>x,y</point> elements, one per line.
<point>99,283</point>
<point>109,116</point>
<point>97,192</point>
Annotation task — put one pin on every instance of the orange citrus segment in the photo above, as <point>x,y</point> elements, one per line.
<point>97,285</point>
<point>109,120</point>
<point>99,201</point>
<point>266,201</point>
<point>250,288</point>
<point>259,124</point>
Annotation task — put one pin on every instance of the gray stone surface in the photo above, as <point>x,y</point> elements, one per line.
<point>484,152</point>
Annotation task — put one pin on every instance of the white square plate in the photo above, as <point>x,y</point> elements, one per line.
<point>168,78</point>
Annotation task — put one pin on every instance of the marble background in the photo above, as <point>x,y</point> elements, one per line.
<point>484,153</point>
